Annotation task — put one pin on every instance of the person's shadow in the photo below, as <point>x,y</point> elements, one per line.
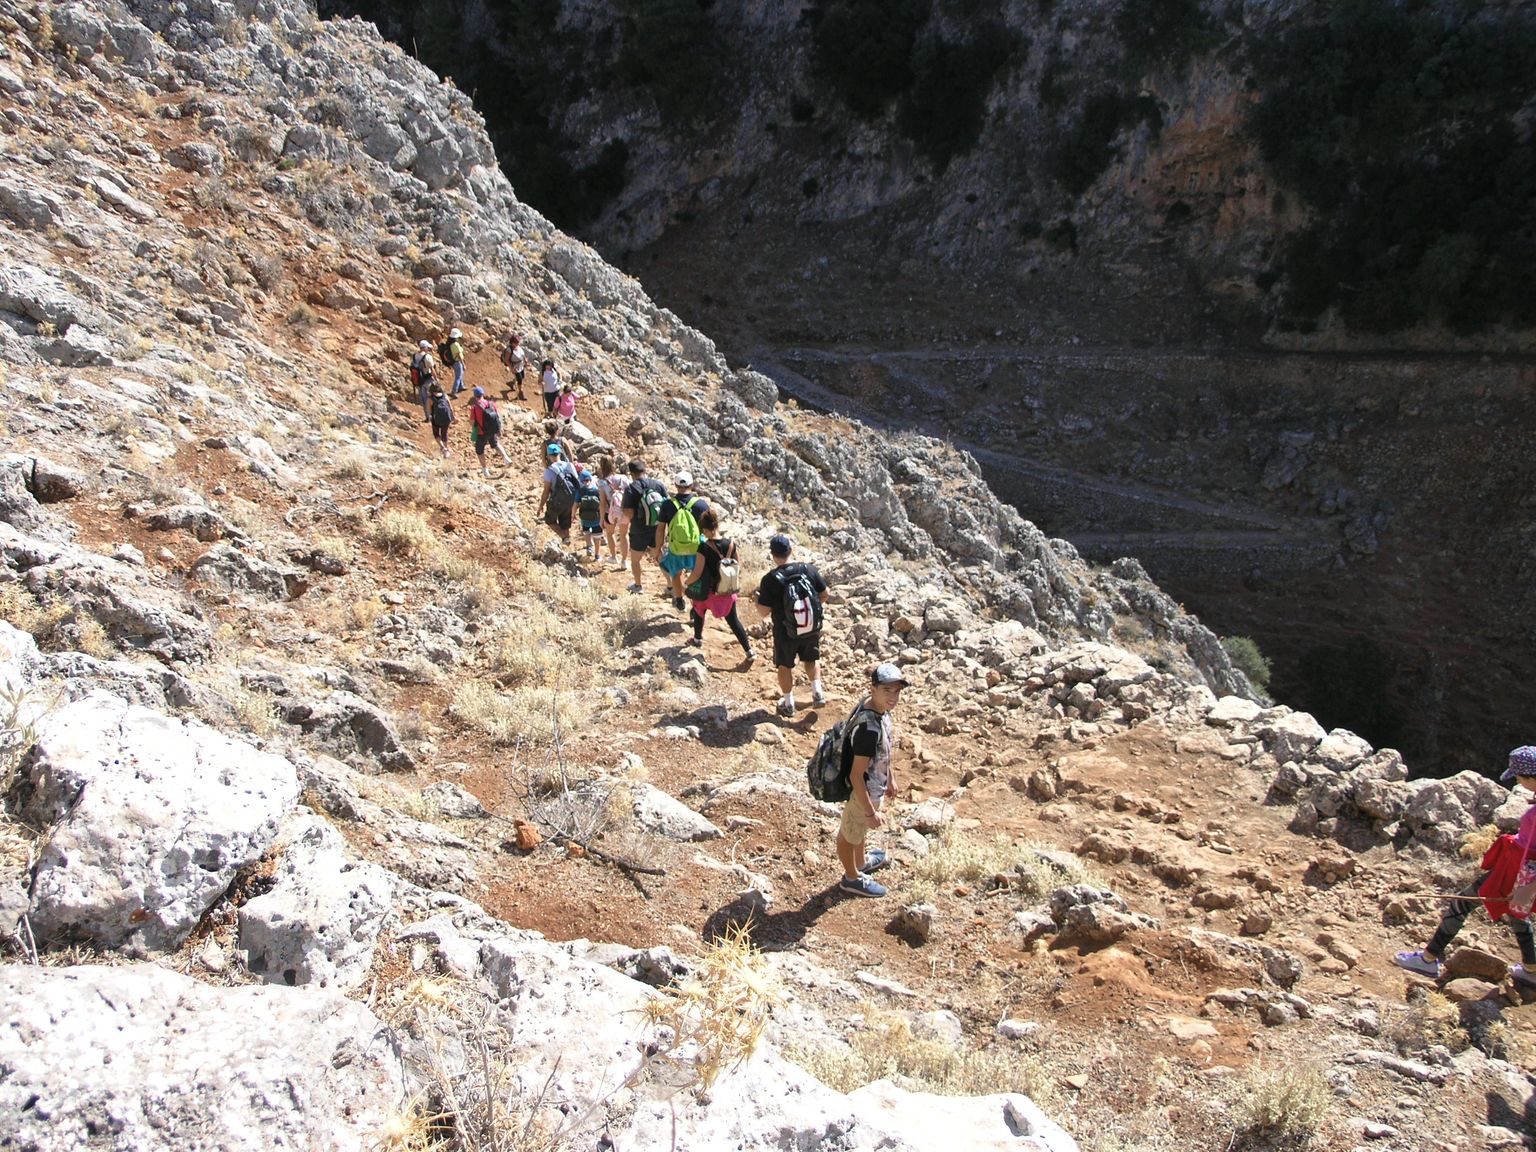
<point>770,931</point>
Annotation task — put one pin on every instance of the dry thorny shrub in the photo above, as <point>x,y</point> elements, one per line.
<point>473,1101</point>
<point>999,864</point>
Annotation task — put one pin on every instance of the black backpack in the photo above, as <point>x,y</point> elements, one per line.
<point>562,491</point>
<point>445,352</point>
<point>490,419</point>
<point>442,411</point>
<point>591,504</point>
<point>802,607</point>
<point>824,772</point>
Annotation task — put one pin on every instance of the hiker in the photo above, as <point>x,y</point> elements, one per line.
<point>516,362</point>
<point>558,499</point>
<point>867,747</point>
<point>708,592</point>
<point>453,354</point>
<point>485,428</point>
<point>440,414</point>
<point>643,499</point>
<point>611,483</point>
<point>589,507</point>
<point>549,379</point>
<point>677,533</point>
<point>565,403</point>
<point>1510,863</point>
<point>424,374</point>
<point>793,594</point>
<point>554,434</point>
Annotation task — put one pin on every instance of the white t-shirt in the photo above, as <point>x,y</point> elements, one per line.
<point>551,380</point>
<point>518,361</point>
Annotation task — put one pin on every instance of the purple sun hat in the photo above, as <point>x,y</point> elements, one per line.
<point>1522,762</point>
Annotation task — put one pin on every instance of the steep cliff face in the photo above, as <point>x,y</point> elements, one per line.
<point>960,196</point>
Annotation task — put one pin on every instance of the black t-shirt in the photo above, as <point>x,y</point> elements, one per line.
<point>640,534</point>
<point>669,509</point>
<point>770,590</point>
<point>863,739</point>
<point>712,552</point>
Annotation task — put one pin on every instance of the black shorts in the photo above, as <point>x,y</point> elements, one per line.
<point>642,539</point>
<point>787,649</point>
<point>560,520</point>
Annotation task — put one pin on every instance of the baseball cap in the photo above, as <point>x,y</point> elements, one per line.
<point>780,545</point>
<point>553,449</point>
<point>477,391</point>
<point>684,480</point>
<point>1522,762</point>
<point>887,674</point>
<point>426,344</point>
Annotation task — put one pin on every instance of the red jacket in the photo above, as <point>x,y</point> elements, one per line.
<point>1502,862</point>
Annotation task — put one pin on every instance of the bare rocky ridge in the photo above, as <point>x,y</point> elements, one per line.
<point>311,727</point>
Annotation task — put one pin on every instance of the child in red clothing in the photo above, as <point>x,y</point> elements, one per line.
<point>1521,869</point>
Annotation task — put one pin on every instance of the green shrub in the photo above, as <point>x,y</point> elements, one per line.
<point>1086,148</point>
<point>670,47</point>
<point>946,107</point>
<point>1402,128</point>
<point>1248,660</point>
<point>864,48</point>
<point>1162,34</point>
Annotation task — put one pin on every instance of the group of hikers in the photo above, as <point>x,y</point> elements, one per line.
<point>640,522</point>
<point>485,417</point>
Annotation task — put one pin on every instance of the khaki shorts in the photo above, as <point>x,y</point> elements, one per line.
<point>855,825</point>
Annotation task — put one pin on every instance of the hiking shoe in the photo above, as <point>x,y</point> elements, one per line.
<point>750,658</point>
<point>677,602</point>
<point>695,642</point>
<point>863,886</point>
<point>874,860</point>
<point>786,710</point>
<point>1418,962</point>
<point>818,696</point>
<point>637,588</point>
<point>1523,976</point>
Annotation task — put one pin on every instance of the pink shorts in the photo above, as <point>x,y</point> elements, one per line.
<point>719,605</point>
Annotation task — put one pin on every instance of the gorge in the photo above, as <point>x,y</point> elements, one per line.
<point>1239,289</point>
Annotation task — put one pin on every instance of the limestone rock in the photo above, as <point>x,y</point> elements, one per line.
<point>148,1056</point>
<point>1445,810</point>
<point>669,817</point>
<point>225,566</point>
<point>319,922</point>
<point>155,816</point>
<point>1010,1123</point>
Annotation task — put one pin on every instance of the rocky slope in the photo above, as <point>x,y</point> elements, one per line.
<point>1050,232</point>
<point>307,724</point>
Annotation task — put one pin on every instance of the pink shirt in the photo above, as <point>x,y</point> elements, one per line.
<point>565,406</point>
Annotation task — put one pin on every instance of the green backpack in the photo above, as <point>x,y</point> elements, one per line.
<point>683,529</point>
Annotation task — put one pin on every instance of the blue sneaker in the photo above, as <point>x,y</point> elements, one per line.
<point>874,860</point>
<point>863,886</point>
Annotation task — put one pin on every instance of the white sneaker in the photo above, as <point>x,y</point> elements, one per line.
<point>1418,962</point>
<point>818,696</point>
<point>1522,975</point>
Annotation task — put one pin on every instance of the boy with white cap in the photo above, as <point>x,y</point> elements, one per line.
<point>677,552</point>
<point>867,748</point>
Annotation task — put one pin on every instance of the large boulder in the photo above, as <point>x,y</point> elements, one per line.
<point>1444,811</point>
<point>1004,1123</point>
<point>322,917</point>
<point>140,1057</point>
<point>152,818</point>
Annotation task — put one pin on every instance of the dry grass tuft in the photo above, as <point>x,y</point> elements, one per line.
<point>1288,1103</point>
<point>716,1016</point>
<point>957,858</point>
<point>1429,1020</point>
<point>404,534</point>
<point>886,1049</point>
<point>1477,842</point>
<point>351,463</point>
<point>521,717</point>
<point>431,491</point>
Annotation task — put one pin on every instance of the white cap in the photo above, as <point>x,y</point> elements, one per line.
<point>455,334</point>
<point>427,344</point>
<point>684,480</point>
